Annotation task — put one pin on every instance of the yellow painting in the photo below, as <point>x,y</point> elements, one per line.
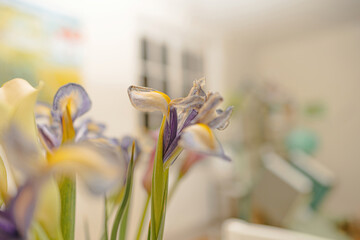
<point>38,45</point>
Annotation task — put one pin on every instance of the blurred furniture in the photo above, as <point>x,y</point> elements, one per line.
<point>234,229</point>
<point>321,178</point>
<point>278,192</point>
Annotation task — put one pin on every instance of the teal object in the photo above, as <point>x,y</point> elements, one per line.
<point>319,190</point>
<point>302,140</point>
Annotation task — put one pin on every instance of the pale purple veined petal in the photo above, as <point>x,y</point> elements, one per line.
<point>148,99</point>
<point>103,141</point>
<point>89,129</point>
<point>75,97</point>
<point>42,111</point>
<point>222,120</point>
<point>48,137</point>
<point>200,138</point>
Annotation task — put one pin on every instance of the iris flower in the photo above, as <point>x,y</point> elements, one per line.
<point>187,124</point>
<point>96,163</point>
<point>189,121</point>
<point>56,122</point>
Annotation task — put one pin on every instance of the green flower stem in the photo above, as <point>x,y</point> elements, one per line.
<point>105,236</point>
<point>68,198</point>
<point>159,190</point>
<point>143,217</point>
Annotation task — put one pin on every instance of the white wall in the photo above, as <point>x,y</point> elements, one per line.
<point>320,65</point>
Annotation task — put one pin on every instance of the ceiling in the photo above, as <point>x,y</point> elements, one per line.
<point>265,18</point>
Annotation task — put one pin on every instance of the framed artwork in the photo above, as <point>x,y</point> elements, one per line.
<point>38,45</point>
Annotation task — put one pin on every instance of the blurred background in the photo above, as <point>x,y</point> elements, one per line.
<point>290,68</point>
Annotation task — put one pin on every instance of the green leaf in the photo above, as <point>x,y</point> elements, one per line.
<point>121,216</point>
<point>67,188</point>
<point>123,225</point>
<point>159,189</point>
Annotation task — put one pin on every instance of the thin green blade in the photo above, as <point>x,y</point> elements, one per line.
<point>121,215</point>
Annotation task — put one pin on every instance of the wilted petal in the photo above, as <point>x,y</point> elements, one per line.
<point>74,97</point>
<point>98,165</point>
<point>200,138</point>
<point>188,102</point>
<point>197,88</point>
<point>208,110</point>
<point>148,99</point>
<point>222,120</point>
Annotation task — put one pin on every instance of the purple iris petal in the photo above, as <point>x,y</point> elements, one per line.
<point>189,119</point>
<point>174,142</point>
<point>7,226</point>
<point>170,130</point>
<point>15,220</point>
<point>72,90</point>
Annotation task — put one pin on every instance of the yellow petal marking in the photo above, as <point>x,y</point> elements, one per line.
<point>167,98</point>
<point>211,135</point>
<point>67,125</point>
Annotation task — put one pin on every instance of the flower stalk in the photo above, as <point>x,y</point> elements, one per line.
<point>141,224</point>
